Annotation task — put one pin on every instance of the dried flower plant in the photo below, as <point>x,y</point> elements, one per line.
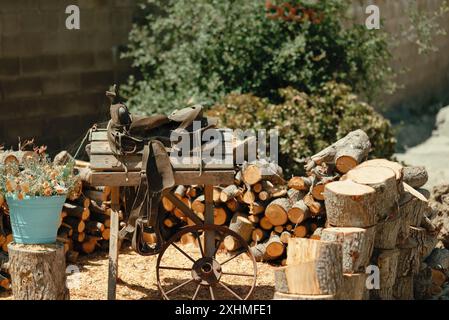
<point>37,177</point>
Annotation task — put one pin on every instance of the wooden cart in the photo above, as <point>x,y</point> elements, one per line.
<point>206,271</point>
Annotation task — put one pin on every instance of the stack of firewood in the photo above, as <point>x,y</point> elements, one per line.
<point>378,217</point>
<point>85,222</point>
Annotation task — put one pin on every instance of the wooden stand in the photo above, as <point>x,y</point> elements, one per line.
<point>38,272</point>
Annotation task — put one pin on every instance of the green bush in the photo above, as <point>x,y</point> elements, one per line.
<point>198,51</point>
<point>307,123</point>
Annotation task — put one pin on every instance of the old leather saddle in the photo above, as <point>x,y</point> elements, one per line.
<point>149,136</point>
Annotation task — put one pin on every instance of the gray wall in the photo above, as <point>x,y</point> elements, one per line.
<point>52,80</point>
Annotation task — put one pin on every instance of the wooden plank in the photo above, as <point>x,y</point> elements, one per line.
<point>218,177</point>
<point>134,163</point>
<point>111,163</point>
<point>99,135</point>
<point>113,244</point>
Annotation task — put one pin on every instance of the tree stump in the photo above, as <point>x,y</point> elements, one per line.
<point>357,245</point>
<point>349,204</point>
<point>38,272</point>
<point>388,262</point>
<point>353,287</point>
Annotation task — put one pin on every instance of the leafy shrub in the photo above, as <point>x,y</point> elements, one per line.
<point>198,51</point>
<point>307,123</point>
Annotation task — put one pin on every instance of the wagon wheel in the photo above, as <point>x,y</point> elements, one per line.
<point>202,276</point>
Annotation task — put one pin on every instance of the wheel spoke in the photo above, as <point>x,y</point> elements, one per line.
<point>230,291</point>
<point>196,292</point>
<point>179,287</point>
<point>200,244</point>
<point>183,252</point>
<point>238,274</point>
<point>175,268</point>
<point>217,246</point>
<point>212,294</point>
<point>233,257</point>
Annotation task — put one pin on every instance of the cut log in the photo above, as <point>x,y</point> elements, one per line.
<point>72,210</point>
<point>243,227</point>
<point>187,238</point>
<point>409,259</point>
<point>346,153</point>
<point>253,218</point>
<point>265,224</point>
<point>77,225</point>
<point>38,272</point>
<point>178,212</point>
<point>387,261</point>
<point>248,197</point>
<point>349,204</point>
<point>426,242</point>
<point>276,212</point>
<point>285,235</point>
<point>415,177</point>
<point>78,236</point>
<point>403,288</point>
<point>81,201</point>
<point>357,245</point>
<point>274,247</point>
<point>387,233</point>
<point>94,226</point>
<point>220,216</point>
<point>278,229</point>
<point>167,204</point>
<point>299,212</point>
<point>381,179</point>
<point>412,208</point>
<point>300,183</point>
<point>256,208</point>
<point>229,193</point>
<point>353,287</point>
<point>396,167</point>
<point>315,207</point>
<point>103,218</point>
<point>232,205</point>
<point>259,235</point>
<point>262,170</point>
<point>288,296</point>
<point>198,205</point>
<point>315,266</point>
<point>300,231</point>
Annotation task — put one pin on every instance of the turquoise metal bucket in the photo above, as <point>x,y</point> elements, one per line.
<point>35,220</point>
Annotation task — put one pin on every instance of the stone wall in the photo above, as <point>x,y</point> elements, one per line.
<point>52,80</point>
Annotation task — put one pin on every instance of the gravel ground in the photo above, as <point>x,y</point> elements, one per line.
<point>137,277</point>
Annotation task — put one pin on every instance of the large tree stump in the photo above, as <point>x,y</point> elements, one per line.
<point>387,233</point>
<point>38,272</point>
<point>357,244</point>
<point>396,167</point>
<point>314,267</point>
<point>409,259</point>
<point>349,204</point>
<point>383,180</point>
<point>387,261</point>
<point>412,208</point>
<point>353,287</point>
<point>403,288</point>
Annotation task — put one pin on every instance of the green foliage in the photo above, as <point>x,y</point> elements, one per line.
<point>198,51</point>
<point>308,123</point>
